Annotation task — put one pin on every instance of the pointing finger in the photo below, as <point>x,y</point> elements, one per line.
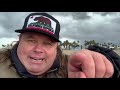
<point>84,61</point>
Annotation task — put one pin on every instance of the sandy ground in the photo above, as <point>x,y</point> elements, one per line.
<point>69,51</point>
<point>117,51</point>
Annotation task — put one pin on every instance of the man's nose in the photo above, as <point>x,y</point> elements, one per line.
<point>38,48</point>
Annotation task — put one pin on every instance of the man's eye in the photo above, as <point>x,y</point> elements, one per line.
<point>48,43</point>
<point>33,41</point>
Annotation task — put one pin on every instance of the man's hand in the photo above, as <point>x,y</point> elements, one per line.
<point>89,64</point>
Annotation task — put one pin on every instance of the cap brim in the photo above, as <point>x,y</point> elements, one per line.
<point>37,31</point>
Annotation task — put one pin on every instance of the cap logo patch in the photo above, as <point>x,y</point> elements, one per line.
<point>40,22</point>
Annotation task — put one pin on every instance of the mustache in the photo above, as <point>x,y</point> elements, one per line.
<point>33,55</point>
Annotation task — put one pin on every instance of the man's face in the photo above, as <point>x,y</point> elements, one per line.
<point>36,52</point>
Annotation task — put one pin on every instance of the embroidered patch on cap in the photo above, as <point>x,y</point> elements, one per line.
<point>42,23</point>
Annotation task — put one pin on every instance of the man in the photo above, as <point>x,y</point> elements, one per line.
<point>37,54</point>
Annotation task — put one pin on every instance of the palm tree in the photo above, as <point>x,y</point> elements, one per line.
<point>3,45</point>
<point>70,45</point>
<point>75,45</point>
<point>66,43</point>
<point>62,44</point>
<point>81,46</point>
<point>86,43</point>
<point>9,45</point>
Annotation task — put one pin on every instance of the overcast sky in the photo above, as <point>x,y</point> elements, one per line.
<point>78,26</point>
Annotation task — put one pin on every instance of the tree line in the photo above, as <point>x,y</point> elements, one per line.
<point>76,44</point>
<point>72,45</point>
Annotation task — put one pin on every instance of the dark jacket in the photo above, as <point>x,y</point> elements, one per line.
<point>112,56</point>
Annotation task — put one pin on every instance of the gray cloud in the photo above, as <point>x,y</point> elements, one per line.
<point>11,21</point>
<point>105,29</point>
<point>106,13</point>
<point>100,26</point>
<point>75,15</point>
